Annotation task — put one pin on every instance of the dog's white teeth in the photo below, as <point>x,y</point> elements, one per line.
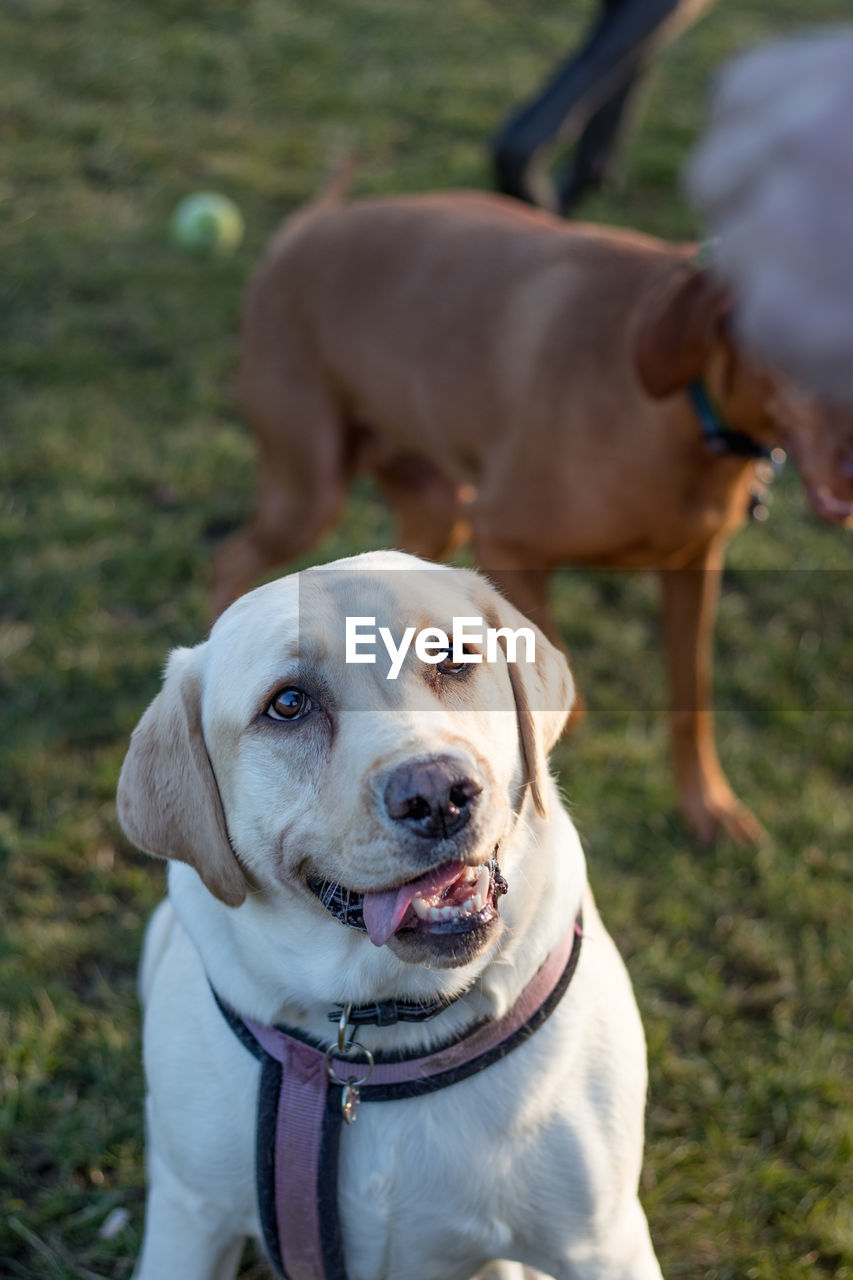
<point>483,882</point>
<point>426,912</point>
<point>470,906</point>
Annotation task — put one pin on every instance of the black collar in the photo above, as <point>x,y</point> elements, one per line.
<point>715,433</point>
<point>385,1013</point>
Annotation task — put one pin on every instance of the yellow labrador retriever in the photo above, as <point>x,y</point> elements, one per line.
<point>386,1032</point>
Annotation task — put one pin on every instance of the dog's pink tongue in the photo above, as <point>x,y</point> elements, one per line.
<point>385,909</point>
<point>383,912</point>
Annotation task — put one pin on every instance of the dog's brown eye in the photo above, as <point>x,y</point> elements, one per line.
<point>448,667</point>
<point>289,704</point>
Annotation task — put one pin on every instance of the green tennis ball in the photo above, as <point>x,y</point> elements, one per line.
<point>207,223</point>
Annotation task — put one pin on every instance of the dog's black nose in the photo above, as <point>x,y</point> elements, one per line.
<point>432,797</point>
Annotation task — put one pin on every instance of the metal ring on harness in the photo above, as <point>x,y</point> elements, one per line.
<point>339,1050</point>
<point>350,1095</point>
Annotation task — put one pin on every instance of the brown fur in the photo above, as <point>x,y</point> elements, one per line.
<point>520,379</point>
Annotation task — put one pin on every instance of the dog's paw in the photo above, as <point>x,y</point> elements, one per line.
<point>721,813</point>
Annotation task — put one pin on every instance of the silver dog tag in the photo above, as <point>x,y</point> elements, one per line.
<point>350,1099</point>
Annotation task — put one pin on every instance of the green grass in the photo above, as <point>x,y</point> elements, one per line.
<point>124,461</point>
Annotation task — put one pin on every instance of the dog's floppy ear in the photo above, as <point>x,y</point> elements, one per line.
<point>543,691</point>
<point>680,322</point>
<point>168,800</point>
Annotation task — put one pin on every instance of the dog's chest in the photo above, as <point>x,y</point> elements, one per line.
<point>427,1185</point>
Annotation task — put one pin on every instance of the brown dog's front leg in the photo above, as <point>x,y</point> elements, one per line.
<point>527,589</point>
<point>690,596</point>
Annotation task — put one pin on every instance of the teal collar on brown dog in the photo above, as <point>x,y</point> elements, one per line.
<point>716,434</point>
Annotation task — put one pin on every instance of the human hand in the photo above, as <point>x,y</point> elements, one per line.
<point>773,179</point>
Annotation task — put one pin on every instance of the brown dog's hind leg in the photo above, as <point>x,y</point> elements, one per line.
<point>425,504</point>
<point>287,524</point>
<point>303,477</point>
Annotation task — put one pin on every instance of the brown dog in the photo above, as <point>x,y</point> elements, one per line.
<point>504,372</point>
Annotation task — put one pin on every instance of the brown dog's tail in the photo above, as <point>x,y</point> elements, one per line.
<point>341,173</point>
<point>341,168</point>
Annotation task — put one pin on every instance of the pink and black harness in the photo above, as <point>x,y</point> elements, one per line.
<point>303,1101</point>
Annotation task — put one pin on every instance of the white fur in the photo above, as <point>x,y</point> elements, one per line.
<point>535,1160</point>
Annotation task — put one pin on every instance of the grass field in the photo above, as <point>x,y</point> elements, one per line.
<point>124,462</point>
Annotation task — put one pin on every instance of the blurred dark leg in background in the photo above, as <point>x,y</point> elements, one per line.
<point>586,101</point>
<point>597,148</point>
